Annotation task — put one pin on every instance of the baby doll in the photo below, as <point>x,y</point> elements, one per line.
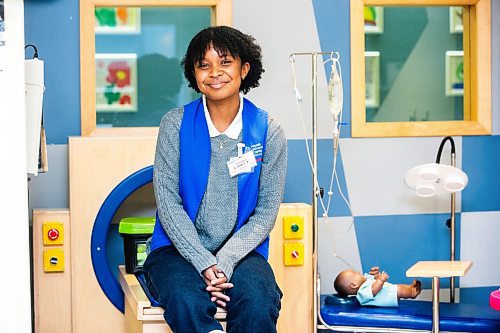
<point>373,288</point>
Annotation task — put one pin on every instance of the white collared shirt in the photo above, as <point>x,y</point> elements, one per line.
<point>234,129</point>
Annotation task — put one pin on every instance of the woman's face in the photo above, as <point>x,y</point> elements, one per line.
<point>219,77</point>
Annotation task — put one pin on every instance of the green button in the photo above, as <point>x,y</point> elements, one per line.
<point>295,227</point>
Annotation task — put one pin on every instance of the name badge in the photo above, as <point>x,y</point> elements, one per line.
<point>242,164</point>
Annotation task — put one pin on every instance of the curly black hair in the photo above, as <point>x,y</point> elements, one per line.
<point>341,286</point>
<point>225,40</point>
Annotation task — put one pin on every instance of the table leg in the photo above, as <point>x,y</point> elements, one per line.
<point>435,304</point>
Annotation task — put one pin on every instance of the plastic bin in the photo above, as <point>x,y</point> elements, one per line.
<point>135,232</point>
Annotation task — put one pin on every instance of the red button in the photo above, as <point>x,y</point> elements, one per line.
<point>53,234</point>
<point>295,254</point>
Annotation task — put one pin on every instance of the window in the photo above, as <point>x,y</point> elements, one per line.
<point>131,56</point>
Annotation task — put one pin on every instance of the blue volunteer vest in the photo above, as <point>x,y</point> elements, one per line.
<point>195,151</point>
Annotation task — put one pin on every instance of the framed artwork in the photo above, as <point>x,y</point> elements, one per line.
<point>117,20</point>
<point>456,23</point>
<point>116,82</point>
<point>374,19</point>
<point>454,80</point>
<point>372,79</point>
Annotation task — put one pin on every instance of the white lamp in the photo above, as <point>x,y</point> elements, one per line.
<point>435,179</point>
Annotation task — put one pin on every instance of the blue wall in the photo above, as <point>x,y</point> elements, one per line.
<point>54,27</point>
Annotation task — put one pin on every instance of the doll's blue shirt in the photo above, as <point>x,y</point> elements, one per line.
<point>387,296</point>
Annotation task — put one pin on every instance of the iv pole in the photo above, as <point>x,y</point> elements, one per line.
<point>316,190</point>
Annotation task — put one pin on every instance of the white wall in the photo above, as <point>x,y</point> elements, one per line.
<point>15,305</point>
<point>281,29</point>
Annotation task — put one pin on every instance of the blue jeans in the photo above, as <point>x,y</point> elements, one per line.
<point>180,289</point>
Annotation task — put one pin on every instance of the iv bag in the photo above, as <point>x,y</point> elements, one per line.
<point>335,94</point>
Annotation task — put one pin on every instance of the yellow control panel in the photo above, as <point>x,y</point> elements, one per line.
<point>293,227</point>
<point>293,253</point>
<point>53,260</point>
<point>53,233</point>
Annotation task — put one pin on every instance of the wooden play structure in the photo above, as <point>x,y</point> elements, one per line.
<point>72,300</point>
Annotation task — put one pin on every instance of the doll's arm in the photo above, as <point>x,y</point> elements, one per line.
<point>379,282</point>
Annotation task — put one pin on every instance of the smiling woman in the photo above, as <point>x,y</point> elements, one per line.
<point>240,155</point>
<point>227,50</point>
<point>215,72</point>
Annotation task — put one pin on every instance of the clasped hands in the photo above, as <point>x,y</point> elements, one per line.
<point>217,284</point>
<point>382,276</point>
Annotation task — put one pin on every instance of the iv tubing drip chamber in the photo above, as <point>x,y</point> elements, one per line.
<point>336,133</point>
<point>335,141</point>
<point>297,94</point>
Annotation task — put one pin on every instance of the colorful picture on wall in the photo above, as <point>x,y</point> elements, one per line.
<point>456,22</point>
<point>374,20</point>
<point>116,82</point>
<point>117,20</point>
<point>454,85</point>
<point>372,79</point>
